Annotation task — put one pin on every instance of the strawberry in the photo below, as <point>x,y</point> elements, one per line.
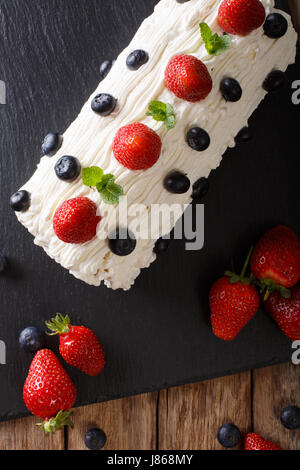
<point>79,346</point>
<point>256,442</point>
<point>188,78</point>
<point>286,312</point>
<point>233,302</point>
<point>276,260</point>
<point>241,17</point>
<point>49,392</point>
<point>136,146</point>
<point>75,221</point>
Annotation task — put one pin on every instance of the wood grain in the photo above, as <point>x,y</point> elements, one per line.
<point>190,416</point>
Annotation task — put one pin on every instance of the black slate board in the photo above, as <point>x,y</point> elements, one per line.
<point>158,334</point>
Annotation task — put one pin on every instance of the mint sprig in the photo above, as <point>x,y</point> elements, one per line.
<point>215,44</point>
<point>110,192</point>
<point>162,112</point>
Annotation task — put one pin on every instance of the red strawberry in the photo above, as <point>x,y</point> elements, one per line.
<point>188,78</point>
<point>79,346</point>
<point>49,392</point>
<point>136,146</point>
<point>233,302</point>
<point>75,221</point>
<point>286,312</point>
<point>256,442</point>
<point>241,17</point>
<point>276,259</point>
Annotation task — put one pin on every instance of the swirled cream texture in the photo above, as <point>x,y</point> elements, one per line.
<point>172,29</point>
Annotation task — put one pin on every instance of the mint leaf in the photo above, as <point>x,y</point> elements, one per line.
<point>105,184</point>
<point>214,44</point>
<point>162,112</point>
<point>112,193</point>
<point>91,176</point>
<point>206,32</point>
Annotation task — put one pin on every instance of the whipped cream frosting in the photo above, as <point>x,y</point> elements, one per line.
<point>172,29</point>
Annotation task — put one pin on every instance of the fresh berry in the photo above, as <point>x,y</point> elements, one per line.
<point>275,81</point>
<point>198,139</point>
<point>245,135</point>
<point>67,168</point>
<point>286,312</point>
<point>105,68</point>
<point>177,182</point>
<point>75,221</point>
<point>290,417</point>
<point>161,246</point>
<point>182,1</point>
<point>231,89</point>
<point>20,201</point>
<point>136,146</point>
<point>122,242</point>
<point>229,436</point>
<point>241,17</point>
<point>78,345</point>
<point>48,391</point>
<point>52,143</point>
<point>276,258</point>
<point>95,439</point>
<point>275,25</point>
<point>32,339</point>
<point>233,303</point>
<point>200,189</point>
<point>4,264</point>
<point>256,442</point>
<point>188,78</point>
<point>136,59</point>
<point>104,104</point>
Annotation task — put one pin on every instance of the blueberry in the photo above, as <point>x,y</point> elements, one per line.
<point>161,246</point>
<point>177,183</point>
<point>95,439</point>
<point>200,189</point>
<point>198,139</point>
<point>229,436</point>
<point>275,81</point>
<point>122,242</point>
<point>136,59</point>
<point>104,104</point>
<point>67,168</point>
<point>3,263</point>
<point>52,143</point>
<point>290,417</point>
<point>32,339</point>
<point>182,1</point>
<point>20,201</point>
<point>105,68</point>
<point>245,135</point>
<point>275,25</point>
<point>231,89</point>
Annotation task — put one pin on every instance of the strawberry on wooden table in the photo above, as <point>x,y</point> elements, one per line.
<point>79,346</point>
<point>241,17</point>
<point>254,441</point>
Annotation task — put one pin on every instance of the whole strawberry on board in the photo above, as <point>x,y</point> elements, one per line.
<point>233,303</point>
<point>286,312</point>
<point>276,260</point>
<point>256,442</point>
<point>49,392</point>
<point>241,17</point>
<point>79,346</point>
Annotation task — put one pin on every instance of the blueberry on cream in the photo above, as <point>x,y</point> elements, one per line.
<point>52,143</point>
<point>122,242</point>
<point>275,26</point>
<point>136,59</point>
<point>200,189</point>
<point>198,139</point>
<point>67,168</point>
<point>104,104</point>
<point>20,201</point>
<point>275,81</point>
<point>105,68</point>
<point>177,182</point>
<point>231,89</point>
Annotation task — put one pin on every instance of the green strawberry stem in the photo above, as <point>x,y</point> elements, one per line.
<point>58,325</point>
<point>268,286</point>
<point>242,277</point>
<point>55,424</point>
<point>245,267</point>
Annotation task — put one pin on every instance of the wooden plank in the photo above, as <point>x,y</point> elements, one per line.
<point>130,424</point>
<point>24,435</point>
<point>190,416</point>
<point>275,388</point>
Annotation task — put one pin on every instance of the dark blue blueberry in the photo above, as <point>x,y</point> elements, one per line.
<point>20,201</point>
<point>122,242</point>
<point>275,25</point>
<point>32,339</point>
<point>104,104</point>
<point>177,183</point>
<point>95,439</point>
<point>136,59</point>
<point>200,189</point>
<point>245,135</point>
<point>52,143</point>
<point>275,81</point>
<point>182,1</point>
<point>67,168</point>
<point>290,417</point>
<point>198,139</point>
<point>105,68</point>
<point>231,89</point>
<point>3,263</point>
<point>229,436</point>
<point>161,246</point>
